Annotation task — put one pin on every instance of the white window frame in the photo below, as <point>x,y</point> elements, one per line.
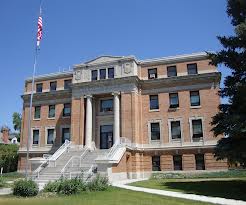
<point>39,139</point>
<point>149,130</point>
<point>99,105</point>
<point>37,119</point>
<point>46,135</point>
<point>191,128</point>
<point>52,118</point>
<point>170,130</point>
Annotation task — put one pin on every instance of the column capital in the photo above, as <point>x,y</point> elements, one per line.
<point>116,93</point>
<point>88,96</point>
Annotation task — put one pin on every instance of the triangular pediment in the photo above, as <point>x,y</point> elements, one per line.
<point>103,59</point>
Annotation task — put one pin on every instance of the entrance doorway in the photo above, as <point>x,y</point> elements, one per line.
<point>106,136</point>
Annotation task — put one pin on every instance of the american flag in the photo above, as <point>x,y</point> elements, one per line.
<point>40,29</point>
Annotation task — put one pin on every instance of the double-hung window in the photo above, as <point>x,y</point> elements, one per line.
<point>35,137</point>
<point>156,163</point>
<point>37,112</point>
<point>67,84</point>
<point>192,69</point>
<point>39,87</point>
<point>102,73</point>
<point>50,136</point>
<point>152,73</point>
<point>197,129</point>
<point>110,72</point>
<point>171,71</point>
<point>155,130</point>
<point>176,130</point>
<point>94,75</point>
<point>52,111</point>
<point>174,100</point>
<point>194,98</point>
<point>53,86</point>
<point>106,105</point>
<point>67,110</point>
<point>153,102</point>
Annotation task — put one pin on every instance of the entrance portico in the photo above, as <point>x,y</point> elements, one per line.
<point>109,133</point>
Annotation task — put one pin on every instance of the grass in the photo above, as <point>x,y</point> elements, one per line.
<point>111,197</point>
<point>230,188</point>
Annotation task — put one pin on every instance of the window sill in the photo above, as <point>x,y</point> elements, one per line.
<point>154,110</point>
<point>36,119</point>
<point>66,117</point>
<point>195,107</point>
<point>51,118</point>
<point>173,109</point>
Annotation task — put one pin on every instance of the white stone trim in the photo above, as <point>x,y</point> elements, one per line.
<point>191,129</point>
<point>170,130</point>
<point>46,135</point>
<point>149,131</point>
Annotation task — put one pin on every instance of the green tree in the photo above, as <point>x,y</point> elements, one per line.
<point>231,119</point>
<point>17,123</point>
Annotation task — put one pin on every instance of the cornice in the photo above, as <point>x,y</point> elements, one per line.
<point>174,59</point>
<point>51,76</point>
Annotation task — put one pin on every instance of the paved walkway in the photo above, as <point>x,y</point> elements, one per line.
<point>214,200</point>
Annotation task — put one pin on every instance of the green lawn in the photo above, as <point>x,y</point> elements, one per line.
<point>230,188</point>
<point>111,197</point>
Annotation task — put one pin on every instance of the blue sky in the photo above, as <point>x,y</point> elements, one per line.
<point>76,31</point>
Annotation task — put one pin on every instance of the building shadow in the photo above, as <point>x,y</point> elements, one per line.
<point>233,189</point>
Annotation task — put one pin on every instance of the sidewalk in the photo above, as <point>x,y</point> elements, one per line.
<point>5,191</point>
<point>214,200</point>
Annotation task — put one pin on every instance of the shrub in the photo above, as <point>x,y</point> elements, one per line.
<point>52,186</point>
<point>25,188</point>
<point>70,186</point>
<point>98,184</point>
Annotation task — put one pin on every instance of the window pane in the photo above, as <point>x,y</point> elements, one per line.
<point>94,75</point>
<point>67,109</point>
<point>192,68</point>
<point>177,162</point>
<point>67,84</point>
<point>50,137</point>
<point>53,86</point>
<point>37,112</point>
<point>39,87</point>
<point>174,100</point>
<point>35,137</point>
<point>197,128</point>
<point>106,105</point>
<point>194,98</point>
<point>176,130</point>
<point>154,102</point>
<point>152,73</point>
<point>155,131</point>
<point>52,111</point>
<point>171,71</point>
<point>200,164</point>
<point>110,72</point>
<point>102,73</point>
<point>65,134</point>
<point>156,165</point>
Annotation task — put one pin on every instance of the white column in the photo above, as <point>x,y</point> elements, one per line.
<point>88,127</point>
<point>116,118</point>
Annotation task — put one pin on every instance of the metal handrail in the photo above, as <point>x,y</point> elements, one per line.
<point>58,152</point>
<point>113,150</point>
<point>44,164</point>
<point>73,157</point>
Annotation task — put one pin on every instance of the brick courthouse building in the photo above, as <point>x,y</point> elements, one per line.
<point>159,110</point>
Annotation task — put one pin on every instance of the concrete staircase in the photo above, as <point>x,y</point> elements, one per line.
<point>74,165</point>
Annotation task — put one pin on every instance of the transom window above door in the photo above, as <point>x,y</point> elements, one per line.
<point>106,105</point>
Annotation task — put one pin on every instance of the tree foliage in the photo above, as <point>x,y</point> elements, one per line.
<point>16,117</point>
<point>8,157</point>
<point>231,119</point>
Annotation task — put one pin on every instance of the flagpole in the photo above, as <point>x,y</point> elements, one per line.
<point>31,102</point>
<point>30,113</point>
